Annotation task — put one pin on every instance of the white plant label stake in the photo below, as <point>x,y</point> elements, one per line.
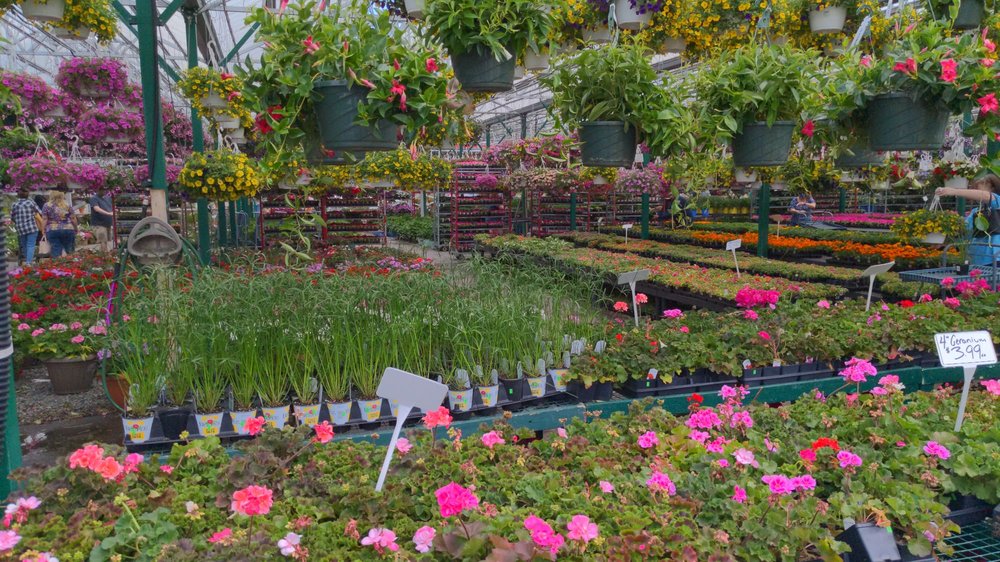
<point>409,390</point>
<point>630,279</point>
<point>966,350</point>
<point>627,227</point>
<point>732,246</point>
<point>870,273</point>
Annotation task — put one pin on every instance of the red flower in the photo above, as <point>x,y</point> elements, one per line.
<point>905,303</point>
<point>431,65</point>
<point>949,70</point>
<point>310,45</point>
<point>988,104</point>
<point>263,121</point>
<point>808,128</point>
<point>696,398</point>
<point>825,442</point>
<point>619,337</point>
<point>909,67</point>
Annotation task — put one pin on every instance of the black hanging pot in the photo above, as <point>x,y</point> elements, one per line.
<point>859,155</point>
<point>970,14</point>
<point>480,71</point>
<point>762,145</point>
<point>337,116</point>
<point>607,144</point>
<point>897,121</point>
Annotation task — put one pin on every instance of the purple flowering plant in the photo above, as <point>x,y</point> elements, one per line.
<point>637,181</point>
<point>89,176</point>
<point>36,171</point>
<point>103,76</point>
<point>109,120</point>
<point>36,96</point>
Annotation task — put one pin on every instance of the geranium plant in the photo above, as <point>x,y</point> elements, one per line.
<point>220,175</point>
<point>92,77</point>
<point>109,121</point>
<point>76,335</point>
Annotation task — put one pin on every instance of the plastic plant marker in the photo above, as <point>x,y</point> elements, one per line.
<point>409,390</point>
<point>631,278</point>
<point>967,350</point>
<point>870,273</point>
<point>732,246</point>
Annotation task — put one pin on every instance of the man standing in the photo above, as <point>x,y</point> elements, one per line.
<point>26,218</point>
<point>101,219</point>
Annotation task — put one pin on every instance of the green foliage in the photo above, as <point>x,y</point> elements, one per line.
<point>141,539</point>
<point>505,28</point>
<point>412,228</point>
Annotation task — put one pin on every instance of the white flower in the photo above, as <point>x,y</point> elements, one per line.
<point>289,544</point>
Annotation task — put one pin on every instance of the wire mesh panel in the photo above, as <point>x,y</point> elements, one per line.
<point>976,543</point>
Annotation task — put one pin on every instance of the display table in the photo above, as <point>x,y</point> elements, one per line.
<point>938,274</point>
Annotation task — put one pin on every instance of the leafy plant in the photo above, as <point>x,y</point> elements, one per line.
<point>913,226</point>
<point>505,28</point>
<point>220,175</point>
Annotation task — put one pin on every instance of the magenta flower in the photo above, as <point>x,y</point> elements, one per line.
<point>858,370</point>
<point>648,440</point>
<point>739,495</point>
<point>454,499</point>
<point>704,418</point>
<point>952,303</point>
<point>491,439</point>
<point>381,539</point>
<point>621,306</point>
<point>403,445</point>
<point>8,540</point>
<point>823,304</point>
<point>803,483</point>
<point>673,313</point>
<point>948,282</point>
<point>935,449</point>
<point>848,459</point>
<point>750,314</point>
<point>660,482</point>
<point>992,386</point>
<point>779,484</point>
<point>581,529</point>
<point>543,535</point>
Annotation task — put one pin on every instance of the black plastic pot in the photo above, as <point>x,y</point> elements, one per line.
<point>870,543</point>
<point>602,390</point>
<point>581,392</point>
<point>173,421</point>
<point>896,121</point>
<point>480,71</point>
<point>607,144</point>
<point>762,145</point>
<point>966,510</point>
<point>337,115</point>
<point>970,14</point>
<point>641,386</point>
<point>514,389</point>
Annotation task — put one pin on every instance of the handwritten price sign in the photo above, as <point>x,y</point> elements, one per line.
<point>961,349</point>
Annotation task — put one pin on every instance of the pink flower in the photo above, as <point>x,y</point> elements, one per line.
<point>561,432</point>
<point>699,436</point>
<point>808,128</point>
<point>324,432</point>
<point>739,494</point>
<point>858,370</point>
<point>22,327</point>
<point>925,298</point>
<point>807,455</point>
<point>8,540</point>
<point>381,539</point>
<point>42,557</point>
<point>37,332</point>
<point>454,499</point>
<point>851,399</point>
<point>75,326</point>
<point>992,386</point>
<point>728,392</point>
<point>437,418</point>
<point>973,273</point>
<point>424,535</point>
<point>289,544</point>
<point>987,62</point>
<point>673,313</point>
<point>704,418</point>
<point>804,482</point>
<point>641,298</point>
<point>660,482</point>
<point>744,457</point>
<point>86,457</point>
<point>606,487</point>
<point>77,339</point>
<point>543,535</point>
<point>132,462</point>
<point>491,439</point>
<point>866,61</point>
<point>988,45</point>
<point>879,391</point>
<point>252,500</point>
<point>750,314</point>
<point>823,304</point>
<point>221,536</point>
<point>166,468</point>
<point>848,459</point>
<point>949,70</point>
<point>909,67</point>
<point>403,445</point>
<point>581,529</point>
<point>935,449</point>
<point>254,426</point>
<point>431,65</point>
<point>648,440</point>
<point>952,303</point>
<point>723,463</point>
<point>889,380</point>
<point>771,447</point>
<point>779,484</point>
<point>109,468</point>
<point>741,419</point>
<point>684,330</point>
<point>716,445</point>
<point>764,335</point>
<point>948,282</point>
<point>621,306</point>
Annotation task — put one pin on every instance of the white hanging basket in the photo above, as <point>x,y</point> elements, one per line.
<point>414,9</point>
<point>52,10</point>
<point>830,20</point>
<point>118,138</point>
<point>92,92</point>
<point>228,122</point>
<point>600,180</point>
<point>674,44</point>
<point>933,238</point>
<point>744,176</point>
<point>57,111</point>
<point>599,36</point>
<point>957,183</point>
<point>237,135</point>
<point>79,34</point>
<point>382,183</point>
<point>881,185</point>
<point>73,185</point>
<point>518,72</point>
<point>628,17</point>
<point>214,101</point>
<point>851,177</point>
<point>535,62</point>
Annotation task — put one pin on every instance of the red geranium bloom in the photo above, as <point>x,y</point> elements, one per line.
<point>825,442</point>
<point>905,303</point>
<point>696,398</point>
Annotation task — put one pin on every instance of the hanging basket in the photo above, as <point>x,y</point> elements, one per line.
<point>743,175</point>
<point>482,72</point>
<point>628,17</point>
<point>957,183</point>
<point>79,33</point>
<point>414,9</point>
<point>214,101</point>
<point>829,20</point>
<point>933,238</point>
<point>898,122</point>
<point>227,122</point>
<point>860,156</point>
<point>237,135</point>
<point>970,14</point>
<point>760,145</point>
<point>597,36</point>
<point>535,62</point>
<point>57,111</point>
<point>337,114</point>
<point>52,10</point>
<point>674,45</point>
<point>607,144</point>
<point>519,72</point>
<point>118,138</point>
<point>73,185</point>
<point>93,92</point>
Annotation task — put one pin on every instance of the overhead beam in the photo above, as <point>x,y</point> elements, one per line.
<point>239,44</point>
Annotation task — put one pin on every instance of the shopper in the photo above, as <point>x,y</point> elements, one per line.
<point>102,218</point>
<point>801,208</point>
<point>985,191</point>
<point>60,224</point>
<point>27,219</point>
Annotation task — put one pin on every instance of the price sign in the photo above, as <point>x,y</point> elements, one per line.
<point>961,349</point>
<point>966,350</point>
<point>627,227</point>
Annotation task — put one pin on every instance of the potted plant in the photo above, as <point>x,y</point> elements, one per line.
<point>636,181</point>
<point>592,16</point>
<point>459,390</point>
<point>83,17</point>
<point>242,381</point>
<point>110,123</point>
<point>175,414</point>
<point>273,383</point>
<point>305,385</point>
<point>603,92</point>
<point>43,10</point>
<point>67,350</point>
<point>210,90</point>
<point>758,122</point>
<point>85,176</point>
<point>209,387</point>
<point>953,173</point>
<point>92,77</point>
<point>962,14</point>
<point>929,226</point>
<point>326,357</point>
<point>827,17</point>
<point>42,171</point>
<point>220,175</point>
<point>485,37</point>
<point>35,94</point>
<point>633,14</point>
<point>141,371</point>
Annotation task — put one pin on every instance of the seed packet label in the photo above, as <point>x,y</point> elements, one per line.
<point>209,424</point>
<point>962,349</point>
<point>651,375</point>
<point>734,244</point>
<point>138,430</point>
<point>537,386</point>
<point>559,378</point>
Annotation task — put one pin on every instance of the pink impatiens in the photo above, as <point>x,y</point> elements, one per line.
<point>453,499</point>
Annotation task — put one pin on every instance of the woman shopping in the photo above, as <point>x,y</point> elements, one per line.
<point>985,192</point>
<point>60,224</point>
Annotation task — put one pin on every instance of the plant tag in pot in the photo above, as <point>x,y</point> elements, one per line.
<point>566,339</point>
<point>494,376</point>
<point>651,375</point>
<point>747,364</point>
<point>599,346</point>
<point>549,358</point>
<point>540,366</point>
<point>577,347</point>
<point>313,384</point>
<point>504,365</point>
<point>462,377</point>
<point>566,359</point>
<point>520,370</point>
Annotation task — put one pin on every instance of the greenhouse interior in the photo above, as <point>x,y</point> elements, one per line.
<point>694,281</point>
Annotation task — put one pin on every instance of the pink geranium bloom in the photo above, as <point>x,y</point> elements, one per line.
<point>925,298</point>
<point>952,303</point>
<point>750,314</point>
<point>935,449</point>
<point>86,457</point>
<point>606,487</point>
<point>807,455</point>
<point>648,440</point>
<point>948,282</point>
<point>254,426</point>
<point>704,418</point>
<point>109,468</point>
<point>289,545</point>
<point>453,499</point>
<point>823,304</point>
<point>660,482</point>
<point>804,482</point>
<point>744,457</point>
<point>381,539</point>
<point>739,494</point>
<point>561,432</point>
<point>424,537</point>
<point>581,529</point>
<point>166,468</point>
<point>252,500</point>
<point>779,484</point>
<point>673,313</point>
<point>543,535</point>
<point>858,370</point>
<point>621,306</point>
<point>684,329</point>
<point>324,432</point>
<point>492,439</point>
<point>437,418</point>
<point>8,540</point>
<point>992,386</point>
<point>221,536</point>
<point>641,298</point>
<point>848,459</point>
<point>403,445</point>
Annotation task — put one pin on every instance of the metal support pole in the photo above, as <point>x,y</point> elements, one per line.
<point>572,211</point>
<point>234,229</point>
<point>223,228</point>
<point>763,218</point>
<point>204,234</point>
<point>524,125</point>
<point>10,453</point>
<point>146,20</point>
<point>842,201</point>
<point>644,233</point>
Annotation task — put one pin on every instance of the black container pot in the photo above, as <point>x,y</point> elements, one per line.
<point>603,390</point>
<point>870,543</point>
<point>480,71</point>
<point>582,393</point>
<point>174,421</point>
<point>642,386</point>
<point>514,390</point>
<point>966,510</point>
<point>607,144</point>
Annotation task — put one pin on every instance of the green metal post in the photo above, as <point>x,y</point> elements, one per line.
<point>146,21</point>
<point>10,454</point>
<point>645,216</point>
<point>223,228</point>
<point>204,236</point>
<point>572,211</point>
<point>234,229</point>
<point>842,201</point>
<point>423,203</point>
<point>763,219</point>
